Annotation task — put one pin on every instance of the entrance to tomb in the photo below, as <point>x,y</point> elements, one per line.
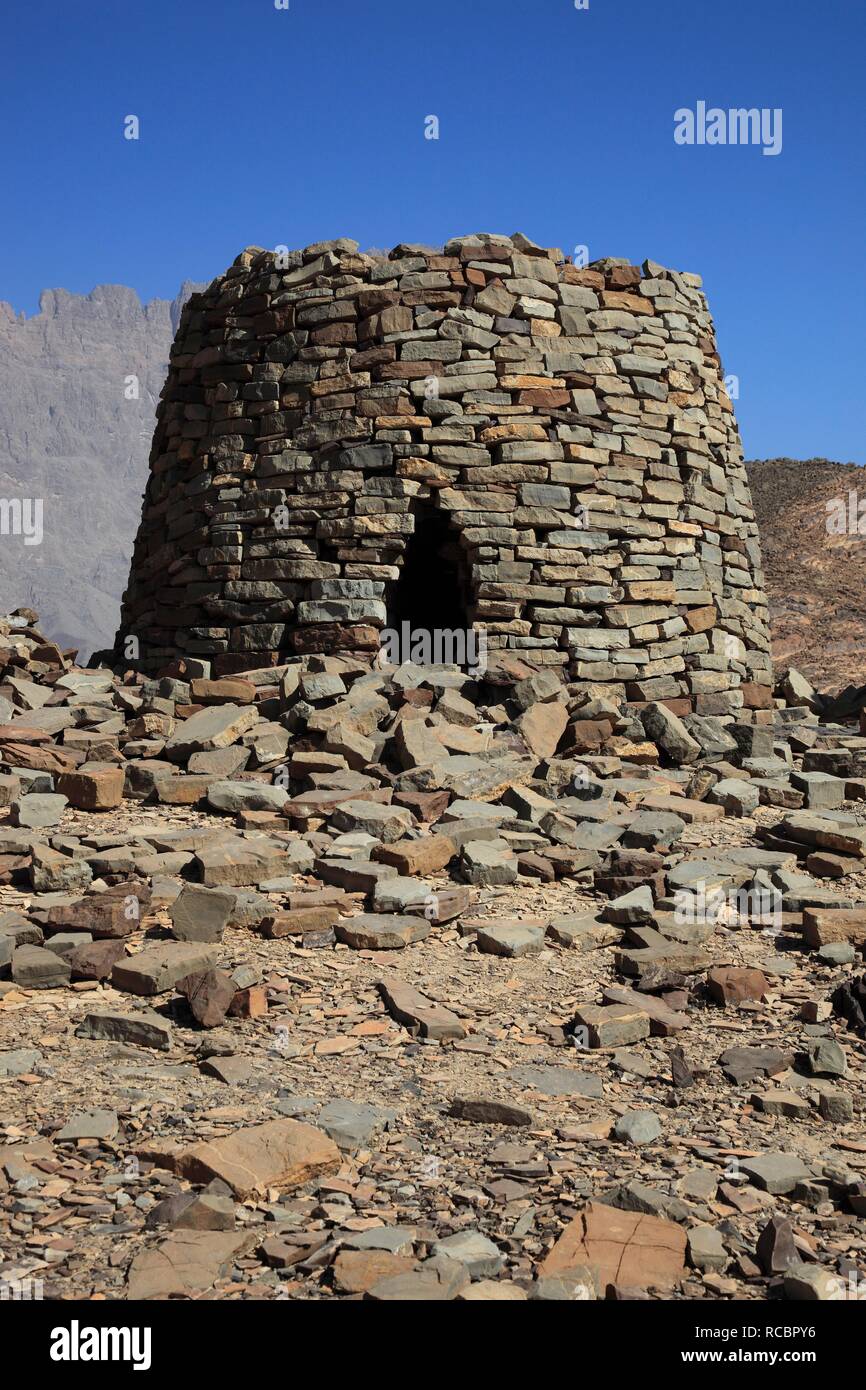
<point>434,591</point>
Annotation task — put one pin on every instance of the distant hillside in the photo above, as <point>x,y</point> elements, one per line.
<point>816,580</point>
<point>73,434</point>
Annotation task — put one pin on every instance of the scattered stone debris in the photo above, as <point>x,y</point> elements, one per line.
<point>427,1024</point>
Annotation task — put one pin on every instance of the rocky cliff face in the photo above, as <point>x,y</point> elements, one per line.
<point>79,382</point>
<point>815,565</point>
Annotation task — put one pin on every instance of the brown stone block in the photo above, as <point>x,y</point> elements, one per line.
<point>99,789</point>
<point>700,619</point>
<point>300,921</point>
<point>544,400</point>
<point>756,696</point>
<point>622,1249</point>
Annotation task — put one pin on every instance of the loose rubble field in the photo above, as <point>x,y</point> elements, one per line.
<point>328,982</point>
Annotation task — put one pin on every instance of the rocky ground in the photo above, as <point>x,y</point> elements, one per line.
<point>325,982</point>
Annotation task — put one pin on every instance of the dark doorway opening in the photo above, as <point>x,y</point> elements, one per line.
<point>433,591</point>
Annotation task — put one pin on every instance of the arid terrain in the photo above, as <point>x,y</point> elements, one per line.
<point>327,983</point>
<point>816,578</point>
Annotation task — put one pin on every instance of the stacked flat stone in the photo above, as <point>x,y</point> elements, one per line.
<point>572,423</point>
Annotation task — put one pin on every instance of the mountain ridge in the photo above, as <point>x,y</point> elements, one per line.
<point>79,383</point>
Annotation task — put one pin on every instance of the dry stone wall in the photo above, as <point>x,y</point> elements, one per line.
<point>486,437</point>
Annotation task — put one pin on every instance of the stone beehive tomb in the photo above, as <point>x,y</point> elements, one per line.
<point>484,437</point>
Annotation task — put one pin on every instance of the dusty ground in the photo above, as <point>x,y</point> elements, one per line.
<point>78,1218</point>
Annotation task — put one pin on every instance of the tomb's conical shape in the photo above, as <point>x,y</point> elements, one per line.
<point>483,438</point>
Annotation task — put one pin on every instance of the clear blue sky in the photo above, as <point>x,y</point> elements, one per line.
<point>262,126</point>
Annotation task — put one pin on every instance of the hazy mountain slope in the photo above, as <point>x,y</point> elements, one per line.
<point>70,436</point>
<point>816,580</point>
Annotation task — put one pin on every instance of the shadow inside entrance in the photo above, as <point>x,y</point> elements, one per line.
<point>432,593</point>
